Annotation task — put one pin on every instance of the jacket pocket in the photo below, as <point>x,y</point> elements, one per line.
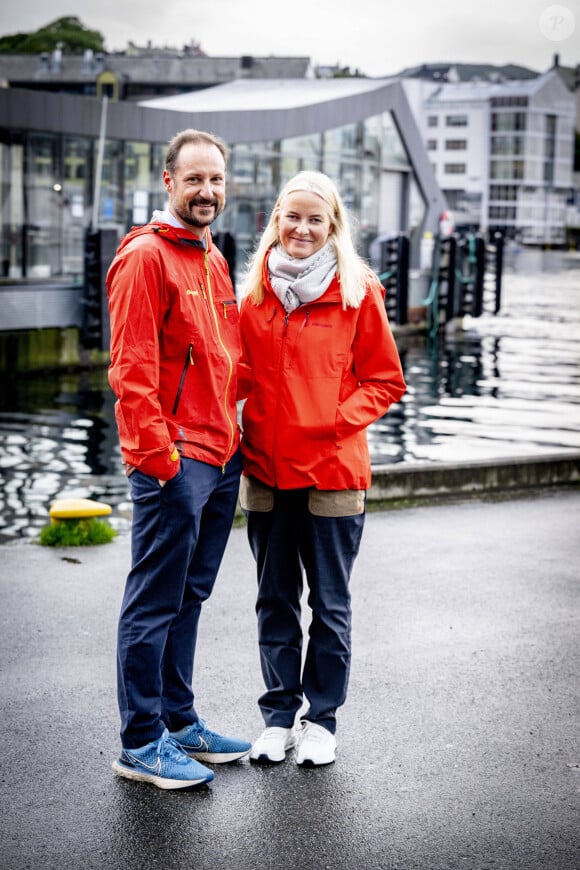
<point>255,495</point>
<point>186,364</point>
<point>336,503</point>
<point>228,309</point>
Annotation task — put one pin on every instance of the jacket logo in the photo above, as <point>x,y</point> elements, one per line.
<point>192,292</point>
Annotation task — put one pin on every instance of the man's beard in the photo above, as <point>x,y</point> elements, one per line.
<point>188,218</point>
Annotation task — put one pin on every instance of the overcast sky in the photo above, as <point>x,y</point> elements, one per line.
<point>377,37</point>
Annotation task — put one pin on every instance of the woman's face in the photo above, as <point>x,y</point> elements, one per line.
<point>303,224</point>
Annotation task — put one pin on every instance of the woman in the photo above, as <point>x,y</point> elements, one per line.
<point>319,364</point>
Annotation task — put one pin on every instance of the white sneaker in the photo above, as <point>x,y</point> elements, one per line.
<point>272,744</point>
<point>316,745</point>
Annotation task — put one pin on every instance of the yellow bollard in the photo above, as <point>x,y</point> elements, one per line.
<point>76,522</point>
<point>77,508</point>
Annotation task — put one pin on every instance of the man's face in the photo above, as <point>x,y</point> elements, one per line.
<point>197,188</point>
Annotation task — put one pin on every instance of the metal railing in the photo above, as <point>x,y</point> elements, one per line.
<point>465,278</point>
<point>394,276</point>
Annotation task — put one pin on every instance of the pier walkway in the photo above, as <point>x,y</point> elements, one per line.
<point>459,745</point>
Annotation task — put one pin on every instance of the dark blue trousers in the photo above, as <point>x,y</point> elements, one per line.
<point>286,542</point>
<point>179,535</point>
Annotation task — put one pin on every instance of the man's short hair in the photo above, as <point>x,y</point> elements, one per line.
<point>192,137</point>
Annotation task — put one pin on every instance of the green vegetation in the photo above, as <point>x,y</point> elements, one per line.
<point>66,33</point>
<point>77,533</point>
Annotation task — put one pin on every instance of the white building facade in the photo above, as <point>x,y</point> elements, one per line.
<point>502,153</point>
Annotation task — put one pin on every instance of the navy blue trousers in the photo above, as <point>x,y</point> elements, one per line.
<point>288,542</point>
<point>179,535</point>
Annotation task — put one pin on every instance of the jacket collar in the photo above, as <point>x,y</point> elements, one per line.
<point>176,235</point>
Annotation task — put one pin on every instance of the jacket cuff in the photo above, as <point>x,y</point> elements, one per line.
<point>163,466</point>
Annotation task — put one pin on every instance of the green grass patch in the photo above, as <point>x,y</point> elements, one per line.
<point>77,533</point>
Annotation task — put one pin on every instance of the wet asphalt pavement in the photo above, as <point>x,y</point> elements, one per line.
<point>458,747</point>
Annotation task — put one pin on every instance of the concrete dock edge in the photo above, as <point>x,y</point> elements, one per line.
<point>396,484</point>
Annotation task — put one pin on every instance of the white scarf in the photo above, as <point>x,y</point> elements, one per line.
<point>296,281</point>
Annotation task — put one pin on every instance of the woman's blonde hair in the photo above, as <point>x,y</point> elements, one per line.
<point>354,273</point>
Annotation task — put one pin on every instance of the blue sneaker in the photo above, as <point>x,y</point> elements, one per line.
<point>163,763</point>
<point>199,742</point>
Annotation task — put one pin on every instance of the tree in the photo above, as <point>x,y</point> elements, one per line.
<point>67,33</point>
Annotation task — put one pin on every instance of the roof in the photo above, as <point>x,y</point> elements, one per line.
<point>167,68</point>
<point>468,72</point>
<point>470,92</point>
<point>266,95</point>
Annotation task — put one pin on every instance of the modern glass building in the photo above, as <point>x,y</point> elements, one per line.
<point>68,164</point>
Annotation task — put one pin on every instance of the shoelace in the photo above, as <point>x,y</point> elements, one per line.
<point>170,749</point>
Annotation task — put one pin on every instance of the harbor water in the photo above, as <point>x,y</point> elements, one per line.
<point>496,386</point>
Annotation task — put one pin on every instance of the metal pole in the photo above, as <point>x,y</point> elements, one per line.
<point>498,269</point>
<point>402,308</point>
<point>451,267</point>
<point>99,166</point>
<point>477,301</point>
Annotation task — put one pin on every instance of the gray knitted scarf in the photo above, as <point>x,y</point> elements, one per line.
<point>296,281</point>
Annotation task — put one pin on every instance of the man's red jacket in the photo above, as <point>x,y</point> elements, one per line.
<point>174,350</point>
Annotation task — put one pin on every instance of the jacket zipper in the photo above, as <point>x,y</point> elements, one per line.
<point>188,361</point>
<point>226,352</point>
<point>280,370</point>
<point>298,334</point>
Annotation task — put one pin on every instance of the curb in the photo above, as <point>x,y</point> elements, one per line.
<point>393,485</point>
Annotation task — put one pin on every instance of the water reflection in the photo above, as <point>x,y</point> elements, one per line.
<point>505,385</point>
<point>57,438</point>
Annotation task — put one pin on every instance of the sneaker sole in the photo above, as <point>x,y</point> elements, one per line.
<point>308,762</point>
<point>264,758</point>
<point>160,781</point>
<point>215,757</point>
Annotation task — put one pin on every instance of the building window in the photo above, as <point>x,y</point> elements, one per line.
<point>508,101</point>
<point>508,121</point>
<point>456,120</point>
<point>502,212</point>
<point>455,168</point>
<point>392,149</point>
<point>549,148</point>
<point>431,144</point>
<point>43,205</point>
<point>507,145</point>
<point>456,144</point>
<point>432,121</point>
<point>505,192</point>
<point>507,169</point>
<point>305,152</point>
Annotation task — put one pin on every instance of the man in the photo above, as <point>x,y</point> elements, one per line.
<point>174,351</point>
